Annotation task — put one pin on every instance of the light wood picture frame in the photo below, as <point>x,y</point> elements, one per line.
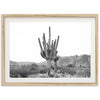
<point>78,38</point>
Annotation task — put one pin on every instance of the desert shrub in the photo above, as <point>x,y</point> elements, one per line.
<point>71,71</point>
<point>26,70</point>
<point>61,70</point>
<point>42,71</point>
<point>85,72</point>
<point>70,65</point>
<point>35,65</point>
<point>80,73</point>
<point>14,71</point>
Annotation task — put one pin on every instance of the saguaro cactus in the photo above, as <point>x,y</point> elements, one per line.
<point>49,49</point>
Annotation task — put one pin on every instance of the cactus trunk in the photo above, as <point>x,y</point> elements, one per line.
<point>49,63</point>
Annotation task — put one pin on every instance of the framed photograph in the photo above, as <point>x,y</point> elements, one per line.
<point>49,49</point>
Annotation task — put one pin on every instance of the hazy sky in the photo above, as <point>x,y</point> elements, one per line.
<point>75,36</point>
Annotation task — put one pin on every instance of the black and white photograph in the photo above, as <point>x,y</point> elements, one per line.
<point>50,49</point>
<point>49,62</point>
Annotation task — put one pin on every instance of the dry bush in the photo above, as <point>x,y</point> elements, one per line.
<point>23,70</point>
<point>14,71</point>
<point>41,71</point>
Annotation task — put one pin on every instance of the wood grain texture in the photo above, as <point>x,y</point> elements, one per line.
<point>51,15</point>
<point>96,49</point>
<point>4,16</point>
<point>3,50</point>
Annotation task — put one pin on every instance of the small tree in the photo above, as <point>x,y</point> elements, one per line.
<point>49,50</point>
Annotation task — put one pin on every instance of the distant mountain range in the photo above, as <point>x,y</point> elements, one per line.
<point>82,60</point>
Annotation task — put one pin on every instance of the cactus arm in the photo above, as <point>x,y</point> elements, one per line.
<point>44,42</point>
<point>57,42</point>
<point>47,50</point>
<point>54,49</point>
<point>42,54</point>
<point>51,51</point>
<point>49,41</point>
<point>45,45</point>
<point>40,44</point>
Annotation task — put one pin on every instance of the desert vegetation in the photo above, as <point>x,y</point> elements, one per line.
<point>66,67</point>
